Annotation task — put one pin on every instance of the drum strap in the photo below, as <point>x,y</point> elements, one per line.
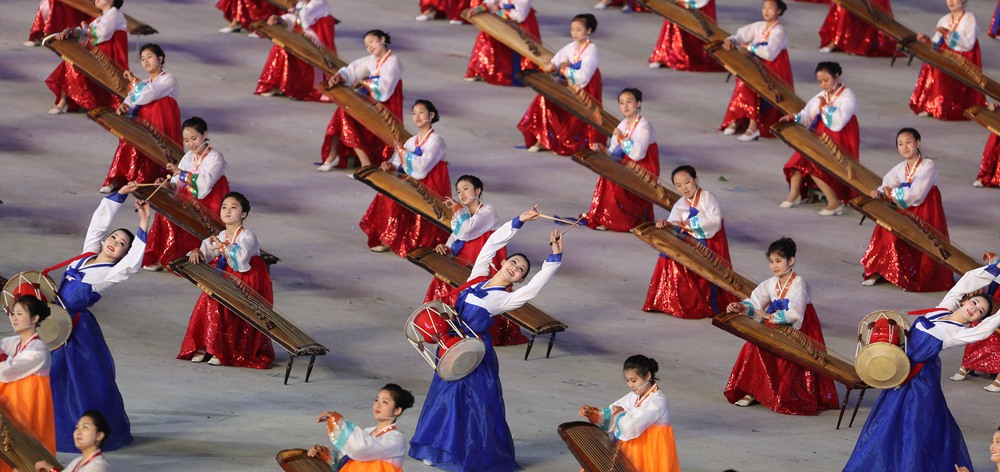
<point>452,296</point>
<point>913,373</point>
<point>68,262</point>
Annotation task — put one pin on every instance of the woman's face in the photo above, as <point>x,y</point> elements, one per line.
<point>466,192</point>
<point>578,30</point>
<point>513,269</point>
<point>686,184</point>
<point>374,45</point>
<point>778,264</point>
<point>638,384</point>
<point>194,140</point>
<point>385,407</point>
<point>116,245</point>
<point>150,62</point>
<point>956,5</point>
<point>908,146</point>
<point>21,320</point>
<point>86,434</point>
<point>827,83</point>
<point>421,116</point>
<point>973,310</point>
<point>995,448</point>
<point>628,105</point>
<point>769,10</point>
<point>103,4</point>
<point>231,212</point>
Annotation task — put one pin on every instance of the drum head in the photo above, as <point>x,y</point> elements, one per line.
<point>427,327</point>
<point>55,330</point>
<point>882,365</point>
<point>461,359</point>
<point>39,281</point>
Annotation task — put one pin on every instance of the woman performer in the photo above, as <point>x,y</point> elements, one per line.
<point>379,75</point>
<point>107,34</point>
<point>910,427</point>
<point>989,167</point>
<point>53,17</point>
<point>613,207</point>
<point>830,112</point>
<point>680,50</point>
<point>24,370</point>
<point>286,74</point>
<point>381,448</point>
<point>910,185</point>
<point>547,126</point>
<point>759,376</point>
<point>153,100</point>
<point>200,175</point>
<point>450,9</point>
<point>936,93</point>
<point>641,419</point>
<point>240,13</point>
<point>994,453</point>
<point>843,32</point>
<point>83,371</point>
<point>388,225</point>
<point>491,60</point>
<point>674,289</point>
<point>91,432</point>
<point>983,356</point>
<point>480,441</point>
<point>766,40</point>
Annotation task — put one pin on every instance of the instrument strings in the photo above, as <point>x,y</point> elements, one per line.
<point>17,446</point>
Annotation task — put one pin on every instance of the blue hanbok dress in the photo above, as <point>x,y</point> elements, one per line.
<point>83,371</point>
<point>463,425</point>
<point>910,428</point>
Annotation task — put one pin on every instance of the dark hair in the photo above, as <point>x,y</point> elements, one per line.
<point>527,263</point>
<point>634,91</point>
<point>685,168</point>
<point>589,21</point>
<point>100,423</point>
<point>157,51</point>
<point>785,247</point>
<point>430,108</point>
<point>196,123</point>
<point>118,3</point>
<point>913,132</point>
<point>476,183</point>
<point>131,237</point>
<point>642,365</point>
<point>34,306</point>
<point>832,68</point>
<point>244,203</point>
<point>402,398</point>
<point>381,35</point>
<point>989,303</point>
<point>782,6</point>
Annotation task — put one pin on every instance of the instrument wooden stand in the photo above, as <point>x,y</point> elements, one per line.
<point>857,405</point>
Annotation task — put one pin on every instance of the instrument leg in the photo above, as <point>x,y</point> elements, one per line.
<point>856,406</point>
<point>843,406</point>
<point>531,342</point>
<point>862,219</point>
<point>288,370</point>
<point>729,76</point>
<point>910,61</point>
<point>309,370</point>
<point>552,340</point>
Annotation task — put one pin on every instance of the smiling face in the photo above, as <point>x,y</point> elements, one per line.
<point>116,245</point>
<point>374,45</point>
<point>995,448</point>
<point>194,140</point>
<point>769,10</point>
<point>973,310</point>
<point>467,193</point>
<point>908,146</point>
<point>385,407</point>
<point>150,62</point>
<point>638,384</point>
<point>686,184</point>
<point>103,5</point>
<point>21,320</point>
<point>231,212</point>
<point>578,31</point>
<point>778,264</point>
<point>421,116</point>
<point>956,5</point>
<point>628,105</point>
<point>513,269</point>
<point>86,434</point>
<point>827,83</point>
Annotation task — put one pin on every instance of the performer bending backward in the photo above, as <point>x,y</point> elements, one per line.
<point>843,32</point>
<point>153,100</point>
<point>284,73</point>
<point>546,125</point>
<point>83,371</point>
<point>759,376</point>
<point>989,167</point>
<point>766,40</point>
<point>480,441</point>
<point>107,34</point>
<point>910,427</point>
<point>199,175</point>
<point>910,185</point>
<point>830,112</point>
<point>936,93</point>
<point>379,75</point>
<point>674,289</point>
<point>214,332</point>
<point>680,50</point>
<point>614,208</point>
<point>491,60</point>
<point>641,419</point>
<point>91,432</point>
<point>389,225</point>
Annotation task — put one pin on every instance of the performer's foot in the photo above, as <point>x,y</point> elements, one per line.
<point>327,166</point>
<point>871,280</point>
<point>746,401</point>
<point>231,29</point>
<point>977,183</point>
<point>924,114</point>
<point>601,5</point>
<point>749,136</point>
<point>789,204</point>
<point>730,130</point>
<point>993,387</point>
<point>253,35</point>
<point>270,93</point>
<point>536,147</point>
<point>380,248</point>
<point>425,17</point>
<point>31,43</point>
<point>214,361</point>
<point>828,48</point>
<point>834,212</point>
<point>157,267</point>
<point>601,228</point>
<point>199,357</point>
<point>961,374</point>
<point>455,22</point>
<point>58,109</point>
<point>655,65</point>
<point>105,189</point>
<point>474,79</point>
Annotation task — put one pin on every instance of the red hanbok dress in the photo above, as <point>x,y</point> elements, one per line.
<point>365,449</point>
<point>989,167</point>
<point>382,79</point>
<point>771,45</point>
<point>153,100</point>
<point>889,256</point>
<point>678,291</point>
<point>25,388</point>
<point>643,430</point>
<point>680,50</point>
<point>285,72</point>
<point>246,11</point>
<point>628,6</point>
<point>53,17</point>
<point>850,35</point>
<point>202,180</point>
<point>107,34</point>
<point>832,115</point>
<point>936,92</point>
<point>780,385</point>
<point>491,60</point>
<point>612,206</point>
<point>555,128</point>
<point>216,330</point>
<point>389,223</point>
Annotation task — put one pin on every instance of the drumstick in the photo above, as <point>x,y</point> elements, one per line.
<point>157,189</point>
<point>553,218</point>
<point>575,224</point>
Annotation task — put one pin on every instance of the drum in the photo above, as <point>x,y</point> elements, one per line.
<point>881,354</point>
<point>55,330</point>
<point>437,324</point>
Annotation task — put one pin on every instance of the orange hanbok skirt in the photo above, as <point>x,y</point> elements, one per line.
<point>654,450</point>
<point>30,399</point>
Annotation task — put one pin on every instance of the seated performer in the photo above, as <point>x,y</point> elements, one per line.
<point>830,112</point>
<point>389,225</point>
<point>201,175</point>
<point>480,441</point>
<point>614,208</point>
<point>910,427</point>
<point>107,34</point>
<point>994,453</point>
<point>380,448</point>
<point>379,75</point>
<point>641,419</point>
<point>674,289</point>
<point>989,167</point>
<point>450,9</point>
<point>240,13</point>
<point>546,125</point>
<point>680,50</point>
<point>759,376</point>
<point>52,17</point>
<point>91,431</point>
<point>283,72</point>
<point>983,356</point>
<point>214,332</point>
<point>843,32</point>
<point>911,186</point>
<point>491,60</point>
<point>766,40</point>
<point>936,93</point>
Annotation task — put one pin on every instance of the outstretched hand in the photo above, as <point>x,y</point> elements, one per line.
<point>734,307</point>
<point>142,207</point>
<point>788,117</point>
<point>556,241</point>
<point>128,188</point>
<point>530,215</point>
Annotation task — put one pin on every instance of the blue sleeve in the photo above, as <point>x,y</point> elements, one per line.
<point>117,197</point>
<point>516,223</point>
<point>554,258</point>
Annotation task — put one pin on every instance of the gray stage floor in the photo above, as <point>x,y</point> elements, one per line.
<point>197,417</point>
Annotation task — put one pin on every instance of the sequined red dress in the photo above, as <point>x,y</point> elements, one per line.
<point>491,60</point>
<point>989,167</point>
<point>850,35</point>
<point>283,71</point>
<point>936,92</point>
<point>770,45</point>
<point>612,206</point>
<point>833,115</point>
<point>53,17</point>
<point>108,35</point>
<point>680,50</point>
<point>246,11</point>
<point>153,100</point>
